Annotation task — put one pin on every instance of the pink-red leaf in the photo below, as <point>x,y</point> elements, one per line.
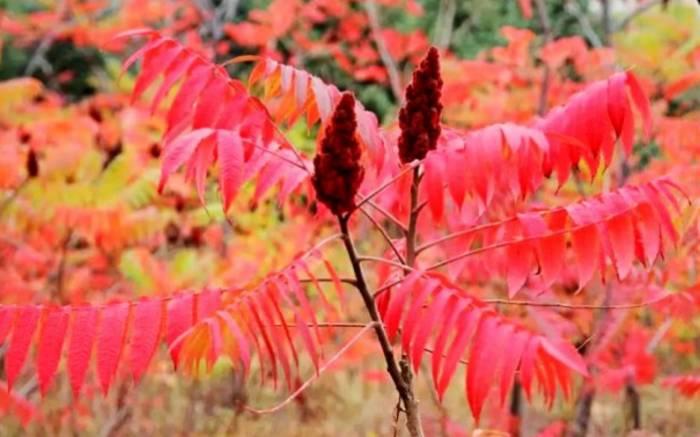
<point>110,342</point>
<point>82,338</point>
<point>179,151</point>
<point>146,331</point>
<point>179,319</point>
<point>25,325</point>
<point>51,339</point>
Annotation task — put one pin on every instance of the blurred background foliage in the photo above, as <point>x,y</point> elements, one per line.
<point>50,39</point>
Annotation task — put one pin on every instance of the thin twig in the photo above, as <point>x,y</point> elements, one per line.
<point>324,242</point>
<point>349,281</point>
<point>274,153</point>
<point>385,56</point>
<point>607,26</point>
<point>385,261</point>
<point>640,9</point>
<point>444,24</point>
<point>573,8</point>
<point>330,325</point>
<point>385,184</point>
<point>574,306</point>
<point>414,209</point>
<point>116,422</point>
<point>463,232</point>
<point>384,233</point>
<point>62,266</point>
<point>388,215</point>
<point>546,75</point>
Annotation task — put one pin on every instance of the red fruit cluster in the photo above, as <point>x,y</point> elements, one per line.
<point>338,173</point>
<point>419,119</point>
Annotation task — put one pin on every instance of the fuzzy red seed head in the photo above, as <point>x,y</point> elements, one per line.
<point>419,119</point>
<point>338,172</point>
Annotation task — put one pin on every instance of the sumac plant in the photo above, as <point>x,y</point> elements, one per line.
<point>463,215</point>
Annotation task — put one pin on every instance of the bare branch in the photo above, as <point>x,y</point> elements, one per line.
<point>574,306</point>
<point>384,233</point>
<point>386,184</point>
<point>387,60</point>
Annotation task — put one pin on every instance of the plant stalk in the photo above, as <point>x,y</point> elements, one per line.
<point>403,387</point>
<point>413,220</point>
<point>410,262</point>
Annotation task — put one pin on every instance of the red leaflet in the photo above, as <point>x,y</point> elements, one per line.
<point>271,299</point>
<point>268,345</point>
<point>566,354</point>
<point>511,360</point>
<point>322,97</point>
<point>586,246</point>
<point>457,176</point>
<point>518,259</point>
<point>179,151</point>
<point>182,107</point>
<point>110,341</point>
<point>7,320</point>
<point>207,303</point>
<point>649,232</point>
<point>434,185</point>
<point>562,375</point>
<point>25,325</point>
<point>617,102</point>
<point>551,246</point>
<point>214,351</point>
<point>489,341</point>
<point>82,338</point>
<point>242,347</point>
<point>252,331</point>
<point>304,304</point>
<point>175,71</point>
<point>330,310</point>
<point>641,100</point>
<point>411,320</point>
<point>51,338</point>
<point>270,173</point>
<point>467,322</point>
<point>230,151</point>
<point>179,319</point>
<point>454,309</point>
<point>527,365</point>
<point>266,314</point>
<point>152,44</point>
<point>621,232</point>
<point>425,326</point>
<point>306,338</point>
<point>155,62</point>
<point>146,327</point>
<point>547,382</point>
<point>392,318</point>
<point>652,196</point>
<point>209,104</point>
